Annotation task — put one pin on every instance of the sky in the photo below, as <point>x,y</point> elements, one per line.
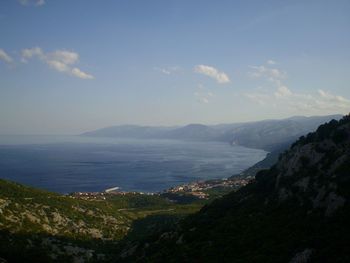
<point>69,66</point>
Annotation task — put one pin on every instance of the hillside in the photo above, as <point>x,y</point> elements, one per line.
<point>268,134</point>
<point>297,211</point>
<point>48,227</point>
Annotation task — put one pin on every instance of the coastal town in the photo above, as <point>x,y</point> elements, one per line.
<point>198,189</point>
<point>104,195</point>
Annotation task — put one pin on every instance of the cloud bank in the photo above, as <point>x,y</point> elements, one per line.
<point>59,60</point>
<point>282,97</point>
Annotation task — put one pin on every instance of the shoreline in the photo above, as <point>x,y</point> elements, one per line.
<point>197,189</point>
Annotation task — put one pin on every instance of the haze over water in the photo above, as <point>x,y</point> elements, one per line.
<point>71,163</point>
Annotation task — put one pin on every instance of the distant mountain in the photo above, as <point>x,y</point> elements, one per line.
<point>188,132</point>
<point>130,131</point>
<point>194,132</point>
<point>268,135</point>
<point>273,134</point>
<point>297,211</point>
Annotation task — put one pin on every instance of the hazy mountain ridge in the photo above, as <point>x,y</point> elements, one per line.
<point>267,134</point>
<point>297,211</point>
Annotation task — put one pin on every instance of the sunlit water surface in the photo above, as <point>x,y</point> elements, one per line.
<point>73,163</point>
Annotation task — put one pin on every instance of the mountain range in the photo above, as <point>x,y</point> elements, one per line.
<point>267,134</point>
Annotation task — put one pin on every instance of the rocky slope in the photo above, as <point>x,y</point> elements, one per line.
<point>39,226</point>
<point>43,226</point>
<point>297,211</point>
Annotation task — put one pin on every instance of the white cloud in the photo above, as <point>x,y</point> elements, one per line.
<point>168,70</point>
<point>31,52</point>
<point>80,74</point>
<point>281,97</point>
<point>66,57</point>
<point>270,73</point>
<point>260,98</point>
<point>274,75</point>
<point>212,72</point>
<point>32,2</point>
<point>58,65</point>
<point>202,95</point>
<point>60,60</point>
<point>303,103</point>
<point>329,98</point>
<point>271,62</point>
<point>5,57</point>
<point>283,91</point>
<point>163,70</point>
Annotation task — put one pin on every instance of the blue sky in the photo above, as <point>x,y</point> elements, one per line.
<point>70,66</point>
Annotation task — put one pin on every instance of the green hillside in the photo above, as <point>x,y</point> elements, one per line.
<point>39,226</point>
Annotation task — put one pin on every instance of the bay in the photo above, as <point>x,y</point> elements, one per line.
<point>67,164</point>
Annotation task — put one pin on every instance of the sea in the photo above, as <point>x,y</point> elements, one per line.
<point>67,164</point>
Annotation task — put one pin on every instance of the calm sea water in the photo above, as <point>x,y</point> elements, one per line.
<point>71,163</point>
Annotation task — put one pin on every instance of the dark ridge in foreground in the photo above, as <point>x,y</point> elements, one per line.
<point>297,211</point>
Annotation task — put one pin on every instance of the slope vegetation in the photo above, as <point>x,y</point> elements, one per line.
<point>39,226</point>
